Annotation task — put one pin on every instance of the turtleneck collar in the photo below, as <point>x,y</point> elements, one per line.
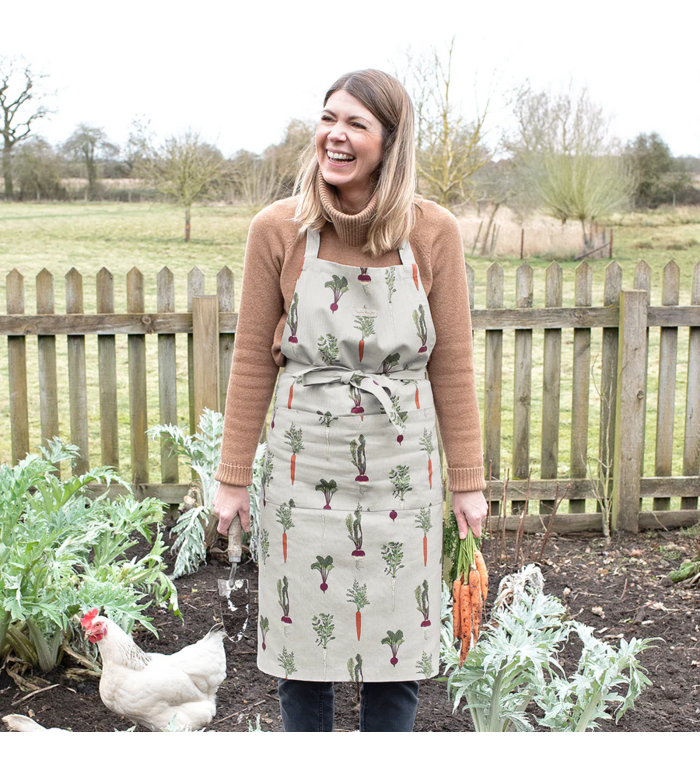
<point>351,229</point>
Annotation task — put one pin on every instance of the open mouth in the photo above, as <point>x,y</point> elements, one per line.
<point>339,157</point>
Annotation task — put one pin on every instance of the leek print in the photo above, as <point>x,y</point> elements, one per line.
<point>358,595</point>
<point>366,326</point>
<point>389,362</point>
<point>423,602</point>
<point>294,439</point>
<point>357,451</point>
<point>393,555</point>
<point>426,445</point>
<point>283,598</point>
<point>390,279</point>
<point>354,525</point>
<point>364,276</point>
<point>423,522</point>
<point>266,474</point>
<point>401,480</point>
<point>323,627</point>
<point>421,328</point>
<point>328,347</point>
<point>355,669</point>
<point>393,640</point>
<point>293,319</point>
<point>326,418</point>
<point>425,665</point>
<point>324,565</point>
<point>286,661</point>
<point>284,518</point>
<point>264,629</point>
<point>264,546</point>
<point>339,285</point>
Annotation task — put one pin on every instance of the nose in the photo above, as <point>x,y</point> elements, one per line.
<point>337,134</point>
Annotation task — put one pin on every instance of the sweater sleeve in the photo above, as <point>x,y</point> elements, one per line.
<point>253,370</point>
<point>451,367</point>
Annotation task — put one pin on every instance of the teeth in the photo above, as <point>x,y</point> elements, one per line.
<point>337,155</point>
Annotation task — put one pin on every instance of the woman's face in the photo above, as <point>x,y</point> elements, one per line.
<point>348,143</point>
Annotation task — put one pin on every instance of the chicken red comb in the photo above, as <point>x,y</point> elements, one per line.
<point>86,621</point>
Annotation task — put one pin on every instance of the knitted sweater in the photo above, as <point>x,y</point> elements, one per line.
<point>272,263</point>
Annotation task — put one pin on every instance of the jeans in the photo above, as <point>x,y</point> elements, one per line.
<point>384,707</point>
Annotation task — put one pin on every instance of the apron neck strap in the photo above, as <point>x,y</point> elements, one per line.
<point>313,242</point>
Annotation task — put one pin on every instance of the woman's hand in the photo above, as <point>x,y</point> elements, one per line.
<point>230,501</point>
<point>470,508</point>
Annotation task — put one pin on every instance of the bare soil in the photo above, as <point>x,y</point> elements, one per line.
<point>621,589</point>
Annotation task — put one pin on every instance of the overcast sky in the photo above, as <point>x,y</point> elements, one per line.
<point>238,72</point>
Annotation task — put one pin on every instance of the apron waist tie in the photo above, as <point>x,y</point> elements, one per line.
<point>381,386</point>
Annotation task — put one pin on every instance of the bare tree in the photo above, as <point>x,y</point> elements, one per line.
<point>89,146</point>
<point>18,89</point>
<point>37,169</point>
<point>186,169</point>
<point>449,149</point>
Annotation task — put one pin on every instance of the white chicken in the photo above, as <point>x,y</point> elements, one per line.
<point>152,689</point>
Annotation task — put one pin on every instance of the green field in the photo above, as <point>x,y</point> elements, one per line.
<point>119,237</point>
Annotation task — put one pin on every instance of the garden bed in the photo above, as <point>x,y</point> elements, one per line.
<point>622,590</point>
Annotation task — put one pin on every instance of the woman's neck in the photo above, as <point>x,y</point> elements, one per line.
<point>353,201</point>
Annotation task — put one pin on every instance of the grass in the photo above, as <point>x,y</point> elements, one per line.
<point>89,236</point>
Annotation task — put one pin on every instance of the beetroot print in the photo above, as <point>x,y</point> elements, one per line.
<point>357,452</point>
<point>264,629</point>
<point>364,276</point>
<point>284,518</point>
<point>328,488</point>
<point>392,553</point>
<point>283,598</point>
<point>293,437</point>
<point>426,445</point>
<point>393,640</point>
<point>328,347</point>
<point>397,415</point>
<point>425,665</point>
<point>423,602</point>
<point>365,324</point>
<point>324,565</point>
<point>354,523</point>
<point>357,594</point>
<point>323,627</point>
<point>421,328</point>
<point>389,363</point>
<point>401,481</point>
<point>339,285</point>
<point>355,669</point>
<point>356,395</point>
<point>293,319</point>
<point>424,523</point>
<point>286,661</point>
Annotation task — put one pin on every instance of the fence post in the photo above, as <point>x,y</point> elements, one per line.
<point>629,410</point>
<point>17,367</point>
<point>205,340</point>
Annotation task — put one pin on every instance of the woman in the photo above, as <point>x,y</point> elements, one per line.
<point>356,287</point>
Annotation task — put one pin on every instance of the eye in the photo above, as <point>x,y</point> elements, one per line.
<point>326,118</point>
<point>358,125</point>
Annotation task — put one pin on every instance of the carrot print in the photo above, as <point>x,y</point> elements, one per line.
<point>393,640</point>
<point>423,522</point>
<point>264,629</point>
<point>324,565</point>
<point>358,595</point>
<point>339,285</point>
<point>293,438</point>
<point>357,451</point>
<point>283,598</point>
<point>284,517</point>
<point>296,381</point>
<point>355,531</point>
<point>286,661</point>
<point>417,398</point>
<point>421,328</point>
<point>366,326</point>
<point>423,602</point>
<point>293,319</point>
<point>426,445</point>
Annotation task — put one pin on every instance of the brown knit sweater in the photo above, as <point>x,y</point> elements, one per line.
<point>272,263</point>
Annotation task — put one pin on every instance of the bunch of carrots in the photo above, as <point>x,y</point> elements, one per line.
<point>469,592</point>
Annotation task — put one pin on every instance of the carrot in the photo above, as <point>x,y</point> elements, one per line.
<point>358,623</point>
<point>291,395</point>
<point>425,550</point>
<point>456,609</point>
<point>362,349</point>
<point>483,574</point>
<point>294,459</point>
<point>415,275</point>
<point>476,602</point>
<point>284,545</point>
<point>466,614</point>
<point>430,472</point>
<point>417,399</point>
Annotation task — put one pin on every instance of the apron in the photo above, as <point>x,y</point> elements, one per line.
<point>350,543</point>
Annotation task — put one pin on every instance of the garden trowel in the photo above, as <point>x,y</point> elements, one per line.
<point>234,592</point>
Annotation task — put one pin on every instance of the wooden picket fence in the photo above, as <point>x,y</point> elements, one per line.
<point>210,326</point>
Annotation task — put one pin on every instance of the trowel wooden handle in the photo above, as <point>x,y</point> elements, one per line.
<point>234,540</point>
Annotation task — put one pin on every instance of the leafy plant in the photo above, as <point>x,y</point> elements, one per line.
<point>63,551</point>
<point>515,663</point>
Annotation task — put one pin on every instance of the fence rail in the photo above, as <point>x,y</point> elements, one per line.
<point>210,325</point>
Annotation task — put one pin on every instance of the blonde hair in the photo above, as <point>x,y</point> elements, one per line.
<point>395,181</point>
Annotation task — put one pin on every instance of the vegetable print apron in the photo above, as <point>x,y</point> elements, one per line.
<point>350,543</point>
